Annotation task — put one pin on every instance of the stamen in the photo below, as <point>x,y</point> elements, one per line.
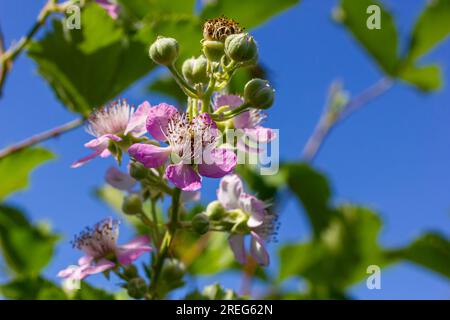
<point>99,240</point>
<point>220,28</point>
<point>110,119</point>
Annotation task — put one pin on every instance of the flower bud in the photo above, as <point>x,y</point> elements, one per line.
<point>132,204</point>
<point>173,270</point>
<point>138,171</point>
<point>137,288</point>
<point>259,94</point>
<point>215,210</point>
<point>164,51</point>
<point>241,47</point>
<point>200,223</point>
<point>213,49</point>
<point>194,70</point>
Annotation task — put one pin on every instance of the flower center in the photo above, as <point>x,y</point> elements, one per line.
<point>189,139</point>
<point>100,240</point>
<point>110,119</point>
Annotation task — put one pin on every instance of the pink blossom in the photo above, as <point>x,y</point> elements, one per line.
<point>111,8</point>
<point>189,143</point>
<point>99,245</point>
<point>260,222</point>
<point>112,123</point>
<point>249,122</point>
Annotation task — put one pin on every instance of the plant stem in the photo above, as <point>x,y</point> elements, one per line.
<point>187,89</point>
<point>41,137</point>
<point>329,119</point>
<point>167,241</point>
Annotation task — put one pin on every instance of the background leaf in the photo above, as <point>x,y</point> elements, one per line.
<point>89,66</point>
<point>16,168</point>
<point>248,13</point>
<point>353,15</point>
<point>32,288</point>
<point>27,248</point>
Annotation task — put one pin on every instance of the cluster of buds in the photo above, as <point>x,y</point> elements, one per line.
<point>169,146</point>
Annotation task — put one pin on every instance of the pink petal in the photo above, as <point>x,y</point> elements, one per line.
<point>136,243</point>
<point>229,191</point>
<point>102,142</point>
<point>242,120</point>
<point>184,177</point>
<point>258,250</point>
<point>100,266</point>
<point>85,260</point>
<point>158,118</point>
<point>217,163</point>
<point>255,207</point>
<point>149,155</point>
<point>260,134</point>
<point>228,100</point>
<point>84,160</point>
<point>132,250</point>
<point>236,242</point>
<point>112,9</point>
<point>66,273</point>
<point>136,125</point>
<point>119,179</point>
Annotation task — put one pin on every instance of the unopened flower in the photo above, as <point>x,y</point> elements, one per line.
<point>112,123</point>
<point>192,148</point>
<point>253,134</point>
<point>111,8</point>
<point>259,222</point>
<point>102,253</point>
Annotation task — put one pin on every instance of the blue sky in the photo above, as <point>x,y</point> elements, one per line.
<point>393,155</point>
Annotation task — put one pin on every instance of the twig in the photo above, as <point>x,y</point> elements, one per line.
<point>329,119</point>
<point>7,57</point>
<point>41,137</point>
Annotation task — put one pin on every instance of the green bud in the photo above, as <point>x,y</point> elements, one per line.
<point>195,70</point>
<point>241,47</point>
<point>200,223</point>
<point>137,288</point>
<point>213,49</point>
<point>173,270</point>
<point>138,171</point>
<point>132,204</point>
<point>164,51</point>
<point>259,94</point>
<point>215,210</point>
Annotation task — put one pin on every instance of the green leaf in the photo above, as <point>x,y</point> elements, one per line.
<point>431,28</point>
<point>265,187</point>
<point>314,193</point>
<point>204,255</point>
<point>88,292</point>
<point>27,248</point>
<point>430,250</point>
<point>89,66</point>
<point>213,292</point>
<point>31,288</point>
<point>16,168</point>
<point>141,8</point>
<point>249,13</point>
<point>381,44</point>
<point>427,78</point>
<point>341,255</point>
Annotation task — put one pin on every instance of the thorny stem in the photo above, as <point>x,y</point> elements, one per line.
<point>330,119</point>
<point>55,132</point>
<point>166,242</point>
